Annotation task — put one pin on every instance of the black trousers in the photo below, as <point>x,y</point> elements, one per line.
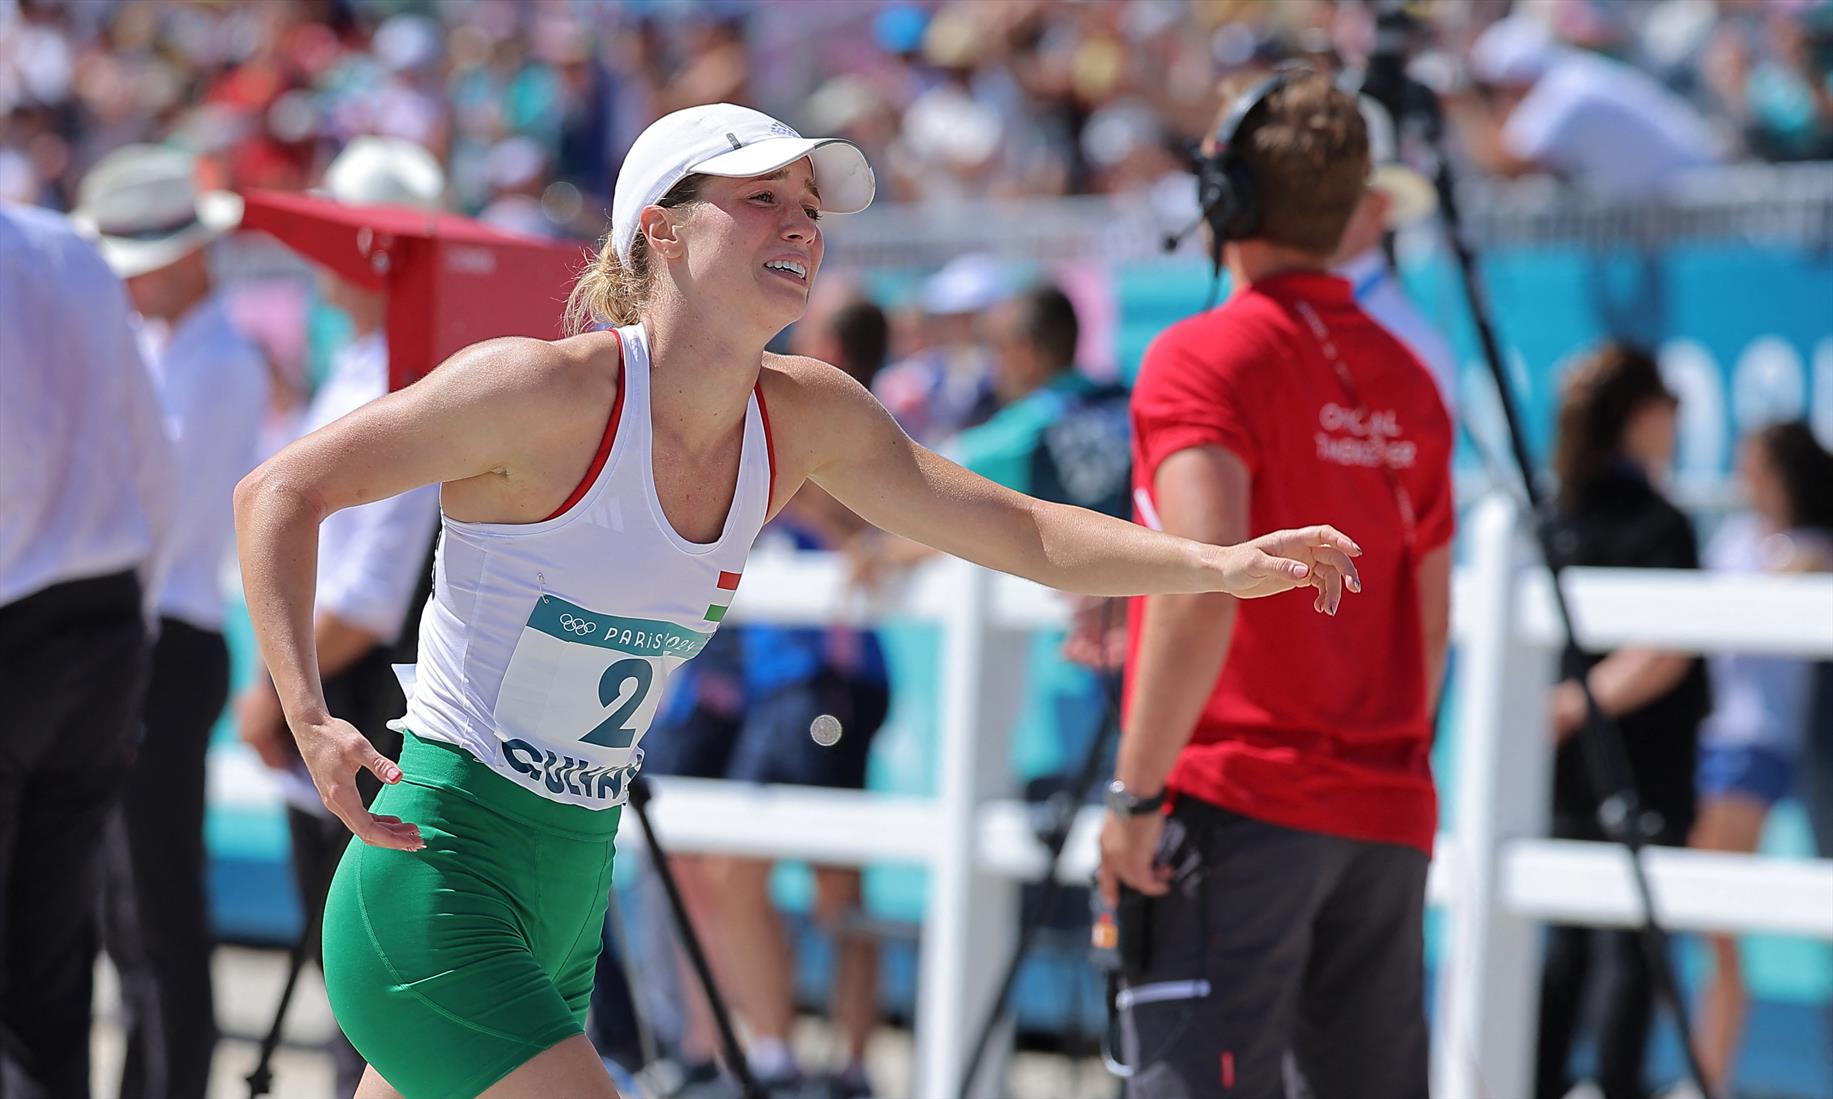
<point>156,917</point>
<point>73,664</point>
<point>367,695</point>
<point>1577,956</point>
<point>1281,963</point>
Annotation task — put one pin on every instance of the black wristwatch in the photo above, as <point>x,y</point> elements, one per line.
<point>1123,803</point>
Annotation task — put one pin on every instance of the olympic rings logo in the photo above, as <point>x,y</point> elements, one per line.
<point>581,626</point>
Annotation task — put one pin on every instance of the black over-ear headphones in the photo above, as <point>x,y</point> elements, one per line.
<point>1225,188</point>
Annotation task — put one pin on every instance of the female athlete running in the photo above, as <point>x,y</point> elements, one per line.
<point>599,494</point>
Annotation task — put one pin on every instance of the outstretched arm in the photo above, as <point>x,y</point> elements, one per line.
<point>867,462</point>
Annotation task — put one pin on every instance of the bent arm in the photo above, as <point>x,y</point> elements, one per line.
<point>452,425</point>
<point>1201,493</point>
<point>1629,679</point>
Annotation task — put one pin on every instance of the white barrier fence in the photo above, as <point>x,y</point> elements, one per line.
<point>1495,875</point>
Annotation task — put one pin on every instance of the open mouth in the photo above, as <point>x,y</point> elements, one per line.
<point>790,269</point>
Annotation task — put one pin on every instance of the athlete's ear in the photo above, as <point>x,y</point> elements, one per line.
<point>660,230</point>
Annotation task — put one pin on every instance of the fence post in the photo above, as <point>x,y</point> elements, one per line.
<point>971,920</point>
<point>1489,975</point>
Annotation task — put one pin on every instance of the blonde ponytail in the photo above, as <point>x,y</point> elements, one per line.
<point>609,291</point>
<point>612,291</point>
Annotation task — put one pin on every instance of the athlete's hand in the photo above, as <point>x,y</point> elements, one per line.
<point>334,752</point>
<point>1316,557</point>
<point>1128,847</point>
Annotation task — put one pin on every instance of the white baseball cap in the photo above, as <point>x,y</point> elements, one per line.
<point>143,208</point>
<point>385,171</point>
<point>1514,51</point>
<point>724,139</point>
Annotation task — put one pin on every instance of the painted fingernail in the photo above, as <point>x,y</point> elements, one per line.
<point>394,774</point>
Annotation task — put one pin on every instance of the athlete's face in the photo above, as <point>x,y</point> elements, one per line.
<point>758,241</point>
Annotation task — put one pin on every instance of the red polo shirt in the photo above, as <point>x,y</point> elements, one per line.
<point>1316,723</point>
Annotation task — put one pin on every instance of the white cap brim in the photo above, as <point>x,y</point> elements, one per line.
<point>842,174</point>
<point>218,212</point>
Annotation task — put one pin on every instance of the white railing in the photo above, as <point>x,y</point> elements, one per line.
<point>1495,875</point>
<point>1493,872</point>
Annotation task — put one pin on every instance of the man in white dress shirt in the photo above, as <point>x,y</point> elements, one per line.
<point>86,492</point>
<point>373,561</point>
<point>1601,124</point>
<point>142,206</point>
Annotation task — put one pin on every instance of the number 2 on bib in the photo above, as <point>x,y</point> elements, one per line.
<point>612,732</point>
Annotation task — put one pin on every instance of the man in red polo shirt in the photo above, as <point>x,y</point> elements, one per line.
<point>1284,891</point>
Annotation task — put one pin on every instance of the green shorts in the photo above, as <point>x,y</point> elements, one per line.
<point>450,966</point>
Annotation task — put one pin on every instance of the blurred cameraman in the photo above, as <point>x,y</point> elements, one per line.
<point>1281,930</point>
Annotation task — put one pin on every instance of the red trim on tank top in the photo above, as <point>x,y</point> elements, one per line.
<point>604,444</point>
<point>763,411</point>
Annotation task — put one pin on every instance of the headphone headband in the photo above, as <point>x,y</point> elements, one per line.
<point>1226,189</point>
<point>1246,103</point>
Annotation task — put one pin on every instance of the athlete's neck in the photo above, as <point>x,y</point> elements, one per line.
<point>1249,261</point>
<point>700,374</point>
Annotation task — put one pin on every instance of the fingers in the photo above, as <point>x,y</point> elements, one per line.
<point>1327,535</point>
<point>1142,875</point>
<point>378,764</point>
<point>1107,883</point>
<point>390,832</point>
<point>1329,584</point>
<point>1331,557</point>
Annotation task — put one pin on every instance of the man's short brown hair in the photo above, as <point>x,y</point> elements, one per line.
<point>1306,148</point>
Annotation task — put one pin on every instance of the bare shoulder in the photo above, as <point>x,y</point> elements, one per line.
<point>521,368</point>
<point>802,386</point>
<point>821,415</point>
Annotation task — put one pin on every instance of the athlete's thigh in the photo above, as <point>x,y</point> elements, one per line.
<point>570,1067</point>
<point>427,956</point>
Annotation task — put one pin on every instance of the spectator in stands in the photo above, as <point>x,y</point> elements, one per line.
<point>1060,436</point>
<point>372,560</point>
<point>1397,196</point>
<point>1590,120</point>
<point>1615,445</point>
<point>1771,74</point>
<point>1749,746</point>
<point>142,204</point>
<point>946,383</point>
<point>87,497</point>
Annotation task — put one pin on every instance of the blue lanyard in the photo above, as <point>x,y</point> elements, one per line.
<point>1362,289</point>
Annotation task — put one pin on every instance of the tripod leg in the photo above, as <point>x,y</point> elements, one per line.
<point>690,942</point>
<point>1067,804</point>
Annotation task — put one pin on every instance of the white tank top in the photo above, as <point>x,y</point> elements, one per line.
<point>545,646</point>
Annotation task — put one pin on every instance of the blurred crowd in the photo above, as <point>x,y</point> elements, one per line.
<point>531,105</point>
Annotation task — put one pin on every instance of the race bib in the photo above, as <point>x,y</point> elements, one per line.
<point>580,691</point>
